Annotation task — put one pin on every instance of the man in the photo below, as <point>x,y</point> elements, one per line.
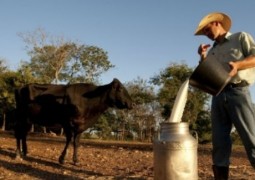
<point>233,106</point>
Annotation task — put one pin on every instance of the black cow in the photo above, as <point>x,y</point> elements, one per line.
<point>75,107</point>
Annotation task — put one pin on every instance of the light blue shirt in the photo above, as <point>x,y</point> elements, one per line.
<point>235,47</point>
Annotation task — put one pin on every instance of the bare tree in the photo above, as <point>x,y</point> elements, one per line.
<point>54,59</point>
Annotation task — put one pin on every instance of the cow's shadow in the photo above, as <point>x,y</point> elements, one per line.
<point>18,167</point>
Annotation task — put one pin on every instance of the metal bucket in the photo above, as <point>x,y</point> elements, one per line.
<point>175,153</point>
<point>211,76</point>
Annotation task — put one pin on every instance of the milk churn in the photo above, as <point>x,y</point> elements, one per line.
<point>175,153</point>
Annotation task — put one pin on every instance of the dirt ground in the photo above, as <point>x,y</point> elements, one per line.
<point>99,160</point>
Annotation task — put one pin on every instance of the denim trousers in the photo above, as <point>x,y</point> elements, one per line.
<point>233,106</point>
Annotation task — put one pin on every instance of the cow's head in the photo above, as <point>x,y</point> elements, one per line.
<point>118,96</point>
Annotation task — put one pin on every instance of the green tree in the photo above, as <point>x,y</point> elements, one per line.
<point>54,59</point>
<point>3,67</point>
<point>8,83</point>
<point>144,115</point>
<point>25,75</point>
<point>87,63</point>
<point>103,127</point>
<point>203,126</point>
<point>48,61</point>
<point>170,80</point>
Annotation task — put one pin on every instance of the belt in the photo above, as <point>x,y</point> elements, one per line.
<point>234,85</point>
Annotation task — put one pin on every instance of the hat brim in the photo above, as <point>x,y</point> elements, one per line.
<point>214,17</point>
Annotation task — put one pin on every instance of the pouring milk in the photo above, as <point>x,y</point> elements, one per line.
<point>179,103</point>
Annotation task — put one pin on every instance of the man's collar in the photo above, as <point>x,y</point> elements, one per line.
<point>228,35</point>
<point>226,38</point>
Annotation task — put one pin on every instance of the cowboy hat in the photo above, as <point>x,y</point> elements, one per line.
<point>212,17</point>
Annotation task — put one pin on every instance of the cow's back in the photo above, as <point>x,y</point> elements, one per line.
<point>82,93</point>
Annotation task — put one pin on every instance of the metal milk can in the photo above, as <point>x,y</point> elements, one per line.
<point>175,153</point>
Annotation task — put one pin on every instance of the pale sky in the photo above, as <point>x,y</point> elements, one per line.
<point>142,37</point>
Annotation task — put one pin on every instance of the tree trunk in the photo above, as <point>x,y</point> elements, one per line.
<point>32,128</point>
<point>44,130</point>
<point>61,132</point>
<point>4,120</point>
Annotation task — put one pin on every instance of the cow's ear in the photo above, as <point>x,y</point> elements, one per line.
<point>115,80</point>
<point>115,84</point>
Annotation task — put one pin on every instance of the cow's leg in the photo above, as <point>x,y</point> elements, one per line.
<point>76,144</point>
<point>18,150</point>
<point>24,146</point>
<point>68,140</point>
<point>21,153</point>
<point>20,135</point>
<point>17,134</point>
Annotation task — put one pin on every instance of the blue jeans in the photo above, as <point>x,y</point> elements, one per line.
<point>233,106</point>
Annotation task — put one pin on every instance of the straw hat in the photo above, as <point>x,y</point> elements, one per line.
<point>212,17</point>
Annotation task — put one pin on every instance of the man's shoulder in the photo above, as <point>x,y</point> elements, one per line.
<point>239,34</point>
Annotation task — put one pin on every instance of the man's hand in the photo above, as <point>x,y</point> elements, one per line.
<point>202,49</point>
<point>234,68</point>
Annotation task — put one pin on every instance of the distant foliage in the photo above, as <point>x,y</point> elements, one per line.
<point>170,81</point>
<point>55,60</point>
